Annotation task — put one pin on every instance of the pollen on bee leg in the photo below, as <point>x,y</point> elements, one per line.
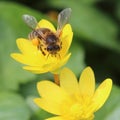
<point>60,33</point>
<point>35,42</point>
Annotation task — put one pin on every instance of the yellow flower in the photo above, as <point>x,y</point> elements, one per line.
<point>73,100</point>
<point>35,60</point>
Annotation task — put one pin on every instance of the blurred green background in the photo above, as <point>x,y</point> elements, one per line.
<point>96,43</point>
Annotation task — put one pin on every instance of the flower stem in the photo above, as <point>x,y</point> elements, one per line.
<point>56,79</point>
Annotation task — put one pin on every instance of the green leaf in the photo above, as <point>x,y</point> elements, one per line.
<point>76,61</point>
<point>13,27</point>
<point>118,9</point>
<point>13,107</point>
<point>91,24</point>
<point>63,3</point>
<point>111,109</point>
<point>30,88</point>
<point>41,115</point>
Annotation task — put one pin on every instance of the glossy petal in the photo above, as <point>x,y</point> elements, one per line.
<point>21,58</point>
<point>102,93</point>
<point>66,39</point>
<point>31,56</point>
<point>68,81</point>
<point>46,24</point>
<point>60,64</point>
<point>48,67</point>
<point>26,46</point>
<point>52,92</point>
<point>36,69</point>
<point>27,60</point>
<point>47,105</point>
<point>87,82</point>
<point>28,49</point>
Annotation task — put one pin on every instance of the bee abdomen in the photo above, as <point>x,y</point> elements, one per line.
<point>32,35</point>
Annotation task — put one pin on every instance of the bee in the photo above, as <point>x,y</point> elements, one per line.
<point>44,38</point>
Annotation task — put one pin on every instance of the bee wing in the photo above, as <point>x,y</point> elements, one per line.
<point>30,21</point>
<point>63,18</point>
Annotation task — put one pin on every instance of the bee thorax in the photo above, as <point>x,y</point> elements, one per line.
<point>51,39</point>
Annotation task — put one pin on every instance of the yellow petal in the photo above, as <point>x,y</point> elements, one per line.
<point>41,69</point>
<point>66,39</point>
<point>102,93</point>
<point>55,69</point>
<point>30,54</point>
<point>87,82</point>
<point>28,60</point>
<point>26,46</point>
<point>46,24</point>
<point>20,58</point>
<point>48,106</point>
<point>50,91</point>
<point>55,118</point>
<point>68,81</point>
<point>37,69</point>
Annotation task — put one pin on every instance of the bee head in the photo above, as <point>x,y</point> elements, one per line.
<point>53,48</point>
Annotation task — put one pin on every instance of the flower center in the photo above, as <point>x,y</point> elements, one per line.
<point>77,110</point>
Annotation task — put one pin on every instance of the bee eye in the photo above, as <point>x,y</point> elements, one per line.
<point>56,47</point>
<point>50,48</point>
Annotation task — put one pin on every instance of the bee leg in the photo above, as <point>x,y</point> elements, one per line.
<point>60,45</point>
<point>48,55</point>
<point>40,48</point>
<point>59,56</point>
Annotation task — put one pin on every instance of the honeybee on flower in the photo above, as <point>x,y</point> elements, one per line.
<point>46,48</point>
<point>44,38</point>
